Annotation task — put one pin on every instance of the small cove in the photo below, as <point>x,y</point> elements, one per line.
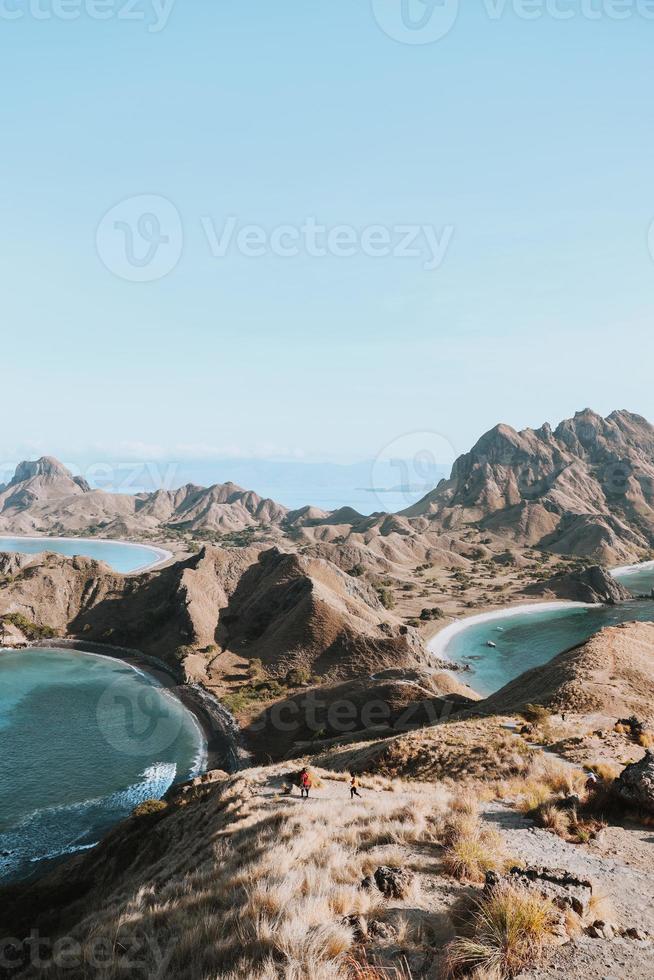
<point>122,556</point>
<point>85,739</point>
<point>534,635</point>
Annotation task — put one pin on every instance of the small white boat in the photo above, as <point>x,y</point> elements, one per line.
<point>489,643</point>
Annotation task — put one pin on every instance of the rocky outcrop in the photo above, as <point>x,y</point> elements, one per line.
<point>392,882</point>
<point>564,889</point>
<point>592,584</point>
<point>635,784</point>
<point>612,673</point>
<point>585,488</point>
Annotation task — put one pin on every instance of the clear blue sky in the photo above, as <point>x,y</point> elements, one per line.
<point>533,140</point>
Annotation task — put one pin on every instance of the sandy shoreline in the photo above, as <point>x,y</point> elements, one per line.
<point>438,643</point>
<point>639,566</point>
<point>161,555</point>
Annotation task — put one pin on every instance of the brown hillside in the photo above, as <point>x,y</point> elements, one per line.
<point>612,674</point>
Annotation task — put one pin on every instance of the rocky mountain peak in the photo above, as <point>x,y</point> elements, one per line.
<point>46,466</point>
<point>585,488</point>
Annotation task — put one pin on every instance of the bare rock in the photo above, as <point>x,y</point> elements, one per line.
<point>391,882</point>
<point>381,930</point>
<point>635,785</point>
<point>592,584</point>
<point>564,889</point>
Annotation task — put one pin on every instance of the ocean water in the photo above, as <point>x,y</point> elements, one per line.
<point>525,640</point>
<point>84,740</point>
<point>528,639</point>
<point>639,579</point>
<point>121,556</point>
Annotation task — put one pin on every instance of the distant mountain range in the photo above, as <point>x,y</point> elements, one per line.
<point>585,488</point>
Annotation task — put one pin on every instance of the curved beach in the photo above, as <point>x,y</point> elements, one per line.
<point>439,642</point>
<point>160,555</point>
<point>524,642</point>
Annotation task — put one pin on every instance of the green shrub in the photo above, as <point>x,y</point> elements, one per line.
<point>297,677</point>
<point>31,630</point>
<point>435,613</point>
<point>148,807</point>
<point>536,714</point>
<point>386,597</point>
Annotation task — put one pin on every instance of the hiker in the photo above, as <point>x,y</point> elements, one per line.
<point>305,783</point>
<point>592,782</point>
<point>353,786</point>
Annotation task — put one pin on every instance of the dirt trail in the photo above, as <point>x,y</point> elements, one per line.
<point>630,889</point>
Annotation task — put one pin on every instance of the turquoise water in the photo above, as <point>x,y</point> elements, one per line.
<point>529,639</point>
<point>638,580</point>
<point>84,740</point>
<point>121,556</point>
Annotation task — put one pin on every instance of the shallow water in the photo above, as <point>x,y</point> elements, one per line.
<point>529,639</point>
<point>638,580</point>
<point>84,740</point>
<point>121,556</point>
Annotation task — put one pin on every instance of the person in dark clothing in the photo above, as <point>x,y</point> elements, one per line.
<point>354,782</point>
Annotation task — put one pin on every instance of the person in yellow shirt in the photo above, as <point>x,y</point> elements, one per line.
<point>354,782</point>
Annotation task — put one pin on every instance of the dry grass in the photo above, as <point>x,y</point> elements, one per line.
<point>509,926</point>
<point>550,817</point>
<point>474,750</point>
<point>605,771</point>
<point>545,777</point>
<point>471,848</point>
<point>360,969</point>
<point>465,801</point>
<point>543,794</point>
<point>469,858</point>
<point>245,883</point>
<point>533,796</point>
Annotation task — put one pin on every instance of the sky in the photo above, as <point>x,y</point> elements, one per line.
<point>482,179</point>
